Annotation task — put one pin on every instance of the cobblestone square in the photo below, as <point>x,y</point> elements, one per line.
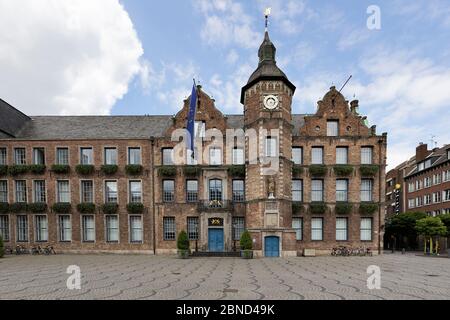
<point>160,278</point>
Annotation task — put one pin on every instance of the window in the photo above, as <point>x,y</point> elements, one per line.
<point>41,224</point>
<point>427,199</point>
<point>317,155</point>
<point>200,129</point>
<point>112,228</point>
<point>110,156</point>
<point>436,197</point>
<point>136,229</point>
<point>169,229</point>
<point>341,190</point>
<point>135,192</point>
<point>21,191</point>
<point>271,147</point>
<point>427,182</point>
<point>62,156</point>
<point>168,190</point>
<point>297,190</point>
<point>238,191</point>
<point>419,201</point>
<point>297,155</point>
<point>134,156</point>
<point>238,156</point>
<point>366,190</point>
<point>215,156</point>
<point>437,178</point>
<point>411,203</point>
<point>38,156</point>
<point>427,164</point>
<point>332,128</point>
<point>238,227</point>
<point>65,228</point>
<point>418,184</point>
<point>446,176</point>
<point>4,227</point>
<point>446,195</point>
<point>191,190</point>
<point>192,161</point>
<point>297,225</point>
<point>20,156</point>
<point>193,228</point>
<point>86,156</point>
<point>448,154</point>
<point>317,190</point>
<point>3,191</point>
<point>366,155</point>
<point>111,192</point>
<point>22,228</point>
<point>341,229</point>
<point>87,191</point>
<point>411,187</point>
<point>39,191</point>
<point>366,229</point>
<point>421,166</point>
<point>88,225</point>
<point>317,229</point>
<point>341,155</point>
<point>167,157</point>
<point>63,191</point>
<point>215,190</point>
<point>3,157</point>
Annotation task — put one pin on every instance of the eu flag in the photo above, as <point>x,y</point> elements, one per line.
<point>191,119</point>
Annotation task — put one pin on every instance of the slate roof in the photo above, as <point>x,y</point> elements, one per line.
<point>11,120</point>
<point>110,127</point>
<point>437,157</point>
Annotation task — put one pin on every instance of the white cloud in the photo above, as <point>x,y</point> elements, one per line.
<point>232,57</point>
<point>68,57</point>
<point>353,38</point>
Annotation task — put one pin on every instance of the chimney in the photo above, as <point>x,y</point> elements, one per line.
<point>354,107</point>
<point>421,152</point>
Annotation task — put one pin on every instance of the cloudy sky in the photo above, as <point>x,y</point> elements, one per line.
<point>139,57</point>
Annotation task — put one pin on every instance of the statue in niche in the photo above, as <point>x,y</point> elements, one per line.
<point>271,186</point>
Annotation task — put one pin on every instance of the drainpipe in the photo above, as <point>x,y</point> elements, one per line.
<point>153,193</point>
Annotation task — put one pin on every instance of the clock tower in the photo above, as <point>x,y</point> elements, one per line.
<point>267,100</point>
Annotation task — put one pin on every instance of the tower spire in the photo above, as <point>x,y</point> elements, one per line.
<point>267,14</point>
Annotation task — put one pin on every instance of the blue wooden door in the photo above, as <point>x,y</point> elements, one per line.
<point>215,240</point>
<point>272,247</point>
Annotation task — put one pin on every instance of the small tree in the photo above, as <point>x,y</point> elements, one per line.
<point>2,247</point>
<point>431,227</point>
<point>183,241</point>
<point>246,241</point>
<point>404,226</point>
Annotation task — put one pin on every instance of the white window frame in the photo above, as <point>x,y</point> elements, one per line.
<point>315,155</point>
<point>297,225</point>
<point>315,229</point>
<point>342,229</point>
<point>64,231</point>
<point>139,229</point>
<point>110,237</point>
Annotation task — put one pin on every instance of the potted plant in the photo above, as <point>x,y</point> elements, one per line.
<point>183,245</point>
<point>60,168</point>
<point>134,169</point>
<point>246,245</point>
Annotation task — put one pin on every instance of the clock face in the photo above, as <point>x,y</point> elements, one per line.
<point>271,102</point>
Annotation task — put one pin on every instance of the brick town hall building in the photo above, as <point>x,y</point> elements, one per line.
<point>109,184</point>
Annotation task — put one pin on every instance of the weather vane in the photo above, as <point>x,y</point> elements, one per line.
<point>267,13</point>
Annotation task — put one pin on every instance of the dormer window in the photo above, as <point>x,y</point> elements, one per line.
<point>332,128</point>
<point>200,129</point>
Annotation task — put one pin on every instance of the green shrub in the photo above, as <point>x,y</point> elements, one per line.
<point>246,241</point>
<point>37,207</point>
<point>134,169</point>
<point>16,170</point>
<point>86,208</point>
<point>62,207</point>
<point>237,171</point>
<point>431,227</point>
<point>135,208</point>
<point>110,208</point>
<point>37,168</point>
<point>343,170</point>
<point>2,247</point>
<point>318,170</point>
<point>368,170</point>
<point>297,207</point>
<point>61,169</point>
<point>191,171</point>
<point>109,169</point>
<point>167,171</point>
<point>18,207</point>
<point>183,241</point>
<point>85,169</point>
<point>368,208</point>
<point>297,170</point>
<point>4,207</point>
<point>343,208</point>
<point>3,170</point>
<point>318,207</point>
